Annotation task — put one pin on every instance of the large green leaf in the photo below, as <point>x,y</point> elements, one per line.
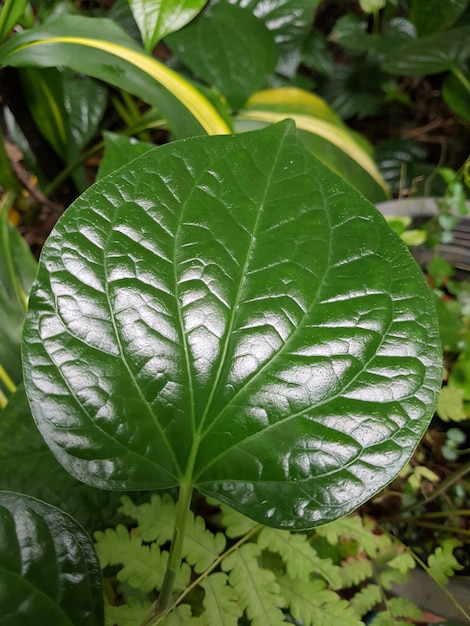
<point>432,54</point>
<point>430,16</point>
<point>158,18</point>
<point>49,572</point>
<point>228,47</point>
<point>225,312</point>
<point>323,133</point>
<point>99,48</point>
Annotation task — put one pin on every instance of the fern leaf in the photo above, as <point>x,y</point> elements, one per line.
<point>131,614</point>
<point>390,576</point>
<point>257,589</point>
<point>300,558</point>
<point>155,519</point>
<point>402,562</point>
<point>402,607</point>
<point>143,566</point>
<point>236,524</point>
<point>200,546</point>
<point>351,526</point>
<point>355,572</point>
<point>221,607</point>
<point>384,618</point>
<point>366,599</point>
<point>314,605</point>
<point>181,616</point>
<point>442,563</point>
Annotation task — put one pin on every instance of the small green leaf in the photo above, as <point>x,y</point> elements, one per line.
<point>353,527</point>
<point>366,599</point>
<point>49,572</point>
<point>235,51</point>
<point>10,14</point>
<point>372,6</point>
<point>143,566</point>
<point>299,557</point>
<point>221,607</point>
<point>450,406</point>
<point>402,607</point>
<point>432,54</point>
<point>442,562</point>
<point>311,603</point>
<point>430,16</point>
<point>133,612</point>
<point>158,18</point>
<point>236,523</point>
<point>119,150</point>
<point>257,589</point>
<point>456,95</point>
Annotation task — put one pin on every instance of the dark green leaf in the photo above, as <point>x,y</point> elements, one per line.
<point>85,102</point>
<point>432,54</point>
<point>229,48</point>
<point>457,96</point>
<point>226,312</point>
<point>28,466</point>
<point>44,94</point>
<point>350,32</point>
<point>316,54</point>
<point>158,18</point>
<point>430,16</point>
<point>288,20</point>
<point>119,150</point>
<point>49,571</point>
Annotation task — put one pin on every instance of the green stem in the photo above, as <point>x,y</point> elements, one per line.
<point>174,559</point>
<point>462,78</point>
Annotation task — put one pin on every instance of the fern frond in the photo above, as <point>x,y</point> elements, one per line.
<point>390,576</point>
<point>402,562</point>
<point>314,605</point>
<point>257,589</point>
<point>221,607</point>
<point>402,607</point>
<point>366,599</point>
<point>181,616</point>
<point>236,523</point>
<point>155,519</point>
<point>385,619</point>
<point>143,566</point>
<point>442,563</point>
<point>200,546</point>
<point>299,556</point>
<point>132,613</point>
<point>351,526</point>
<point>355,572</point>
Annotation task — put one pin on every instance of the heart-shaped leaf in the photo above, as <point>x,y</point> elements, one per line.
<point>228,47</point>
<point>49,572</point>
<point>225,312</point>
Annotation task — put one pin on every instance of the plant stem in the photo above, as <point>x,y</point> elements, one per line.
<point>464,81</point>
<point>19,294</point>
<point>174,559</point>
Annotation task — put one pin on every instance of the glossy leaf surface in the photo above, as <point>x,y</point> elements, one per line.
<point>323,133</point>
<point>226,312</point>
<point>158,18</point>
<point>432,54</point>
<point>288,20</point>
<point>49,573</point>
<point>99,48</point>
<point>229,48</point>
